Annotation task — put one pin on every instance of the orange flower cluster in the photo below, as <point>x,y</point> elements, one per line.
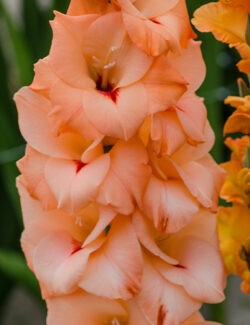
<point>118,190</point>
<point>229,22</point>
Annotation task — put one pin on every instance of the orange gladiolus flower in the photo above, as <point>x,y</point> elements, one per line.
<point>228,21</point>
<point>234,234</point>
<point>237,185</point>
<point>239,121</point>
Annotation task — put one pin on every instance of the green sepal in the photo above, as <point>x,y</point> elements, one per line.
<point>246,159</point>
<point>247,34</point>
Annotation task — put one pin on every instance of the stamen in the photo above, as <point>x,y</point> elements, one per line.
<point>103,68</point>
<point>109,65</point>
<point>115,321</point>
<point>78,221</point>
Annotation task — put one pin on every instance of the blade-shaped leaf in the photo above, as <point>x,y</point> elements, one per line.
<point>14,265</point>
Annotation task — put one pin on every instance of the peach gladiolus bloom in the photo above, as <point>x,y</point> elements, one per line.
<point>66,251</point>
<point>89,173</point>
<point>112,95</point>
<point>177,259</point>
<point>179,170</point>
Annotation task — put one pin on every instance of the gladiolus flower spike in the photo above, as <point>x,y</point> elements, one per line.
<point>118,189</point>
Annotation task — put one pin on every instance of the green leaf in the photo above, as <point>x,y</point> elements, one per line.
<point>14,266</point>
<point>20,49</point>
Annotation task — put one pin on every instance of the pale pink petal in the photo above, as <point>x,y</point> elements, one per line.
<point>127,177</point>
<point>65,56</point>
<point>67,114</point>
<point>44,76</point>
<point>190,151</point>
<point>113,193</point>
<point>192,115</point>
<point>201,272</point>
<point>162,204</point>
<point>79,184</point>
<point>166,133</point>
<point>177,23</point>
<point>203,226</point>
<point>164,85</point>
<point>129,161</point>
<point>162,302</point>
<point>218,175</point>
<point>115,270</point>
<point>136,315</point>
<point>99,47</point>
<point>147,35</point>
<point>154,8</point>
<point>106,215</point>
<point>93,151</point>
<point>118,113</point>
<point>33,122</point>
<point>40,225</point>
<point>131,64</point>
<point>145,234</point>
<point>59,262</point>
<point>82,308</point>
<point>190,64</point>
<point>29,205</point>
<point>32,168</point>
<point>199,179</point>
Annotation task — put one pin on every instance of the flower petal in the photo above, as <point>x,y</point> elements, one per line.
<point>65,56</point>
<point>115,271</point>
<point>33,122</point>
<point>32,168</point>
<point>77,188</point>
<point>163,89</point>
<point>59,262</point>
<point>162,204</point>
<point>227,23</point>
<point>145,233</point>
<point>202,273</point>
<point>82,308</point>
<point>162,302</point>
<point>120,117</point>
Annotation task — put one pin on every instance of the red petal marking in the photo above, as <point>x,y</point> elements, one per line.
<point>108,91</point>
<point>162,313</point>
<point>79,165</point>
<point>76,246</point>
<point>154,20</point>
<point>180,266</point>
<point>75,250</point>
<point>112,94</point>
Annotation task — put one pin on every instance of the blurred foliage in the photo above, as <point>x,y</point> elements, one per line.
<point>24,38</point>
